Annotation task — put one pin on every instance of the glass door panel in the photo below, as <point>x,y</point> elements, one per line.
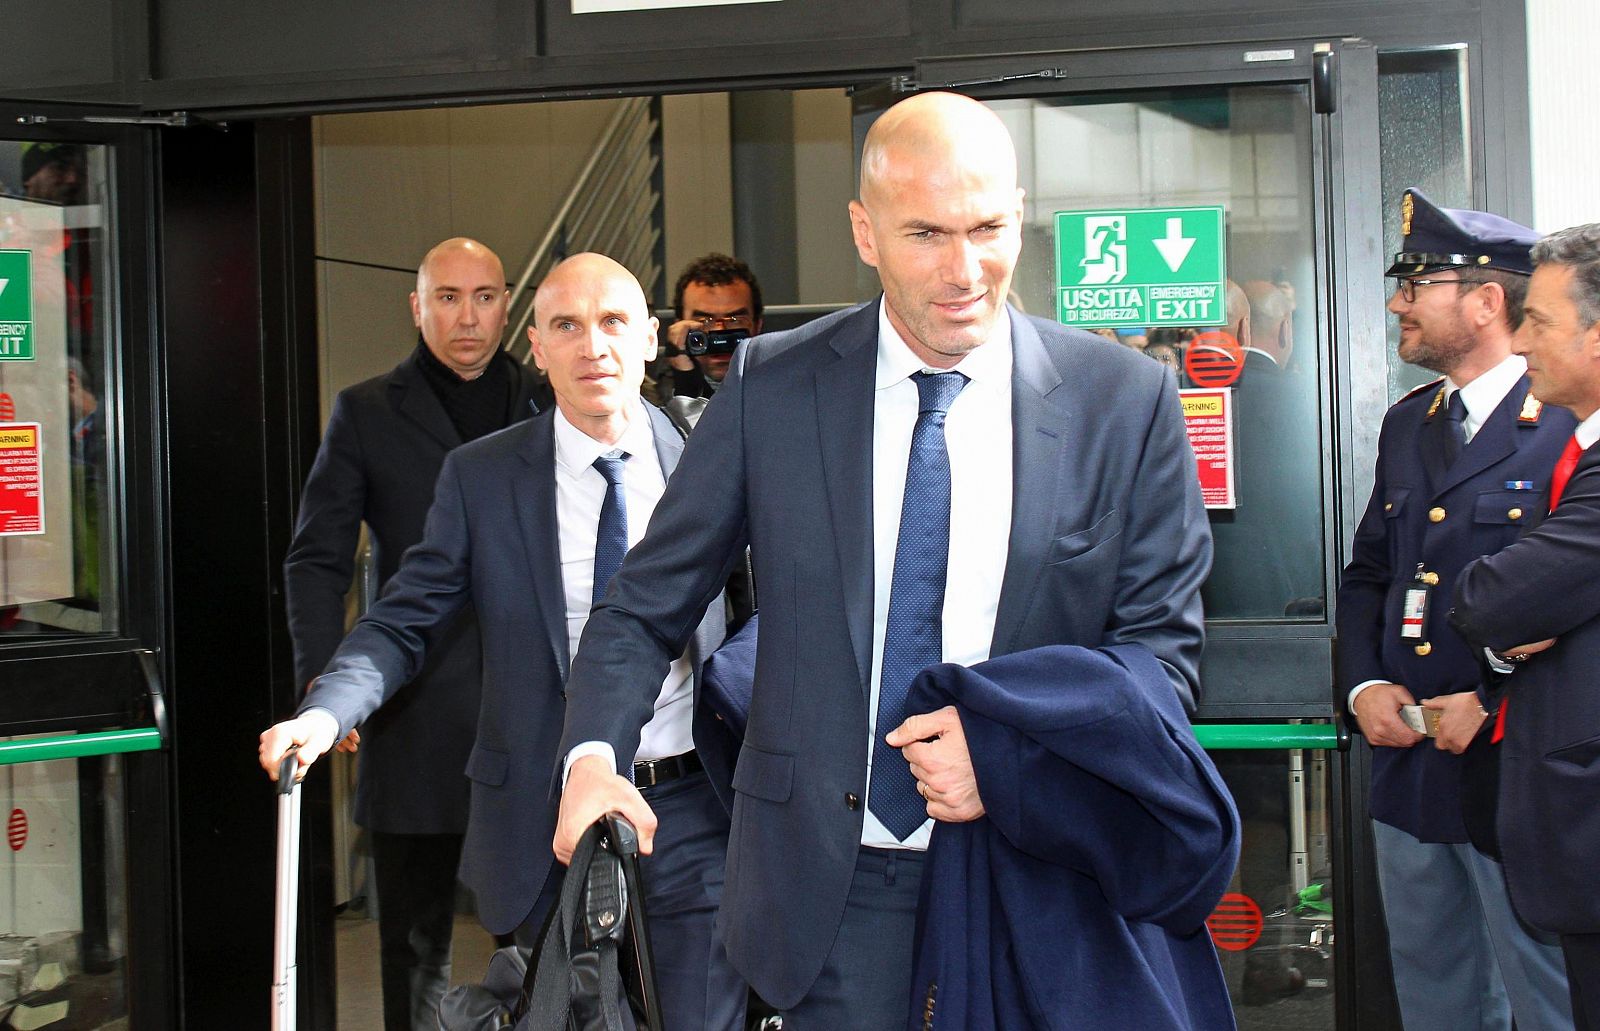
<point>63,895</point>
<point>57,284</point>
<point>1248,150</point>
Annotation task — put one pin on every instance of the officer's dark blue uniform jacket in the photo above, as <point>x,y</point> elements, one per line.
<point>1079,900</point>
<point>1439,521</point>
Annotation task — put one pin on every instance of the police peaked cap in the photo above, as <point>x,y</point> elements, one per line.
<point>1446,238</point>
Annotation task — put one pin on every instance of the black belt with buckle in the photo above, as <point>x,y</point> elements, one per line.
<point>650,772</point>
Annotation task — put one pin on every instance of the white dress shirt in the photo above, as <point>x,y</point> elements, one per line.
<point>1588,431</point>
<point>978,438</point>
<point>1480,397</point>
<point>580,491</point>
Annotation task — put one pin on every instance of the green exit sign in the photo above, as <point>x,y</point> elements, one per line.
<point>1141,267</point>
<point>16,306</point>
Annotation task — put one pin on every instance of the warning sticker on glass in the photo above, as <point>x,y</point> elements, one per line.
<point>1208,418</point>
<point>21,480</point>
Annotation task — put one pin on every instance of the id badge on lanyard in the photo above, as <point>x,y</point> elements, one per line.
<point>1414,615</point>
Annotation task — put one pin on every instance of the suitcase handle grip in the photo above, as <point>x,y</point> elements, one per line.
<point>288,766</point>
<point>624,839</point>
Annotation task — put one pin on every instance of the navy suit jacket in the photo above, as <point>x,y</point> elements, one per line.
<point>380,457</point>
<point>492,539</point>
<point>1080,898</point>
<point>1108,545</point>
<point>1418,789</point>
<point>1545,585</point>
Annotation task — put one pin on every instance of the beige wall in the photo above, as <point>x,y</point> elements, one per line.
<point>391,185</point>
<point>698,176</point>
<point>824,183</point>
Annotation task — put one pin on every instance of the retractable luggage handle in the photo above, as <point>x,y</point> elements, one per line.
<point>287,896</point>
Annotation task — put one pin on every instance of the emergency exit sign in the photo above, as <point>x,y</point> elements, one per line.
<point>1141,267</point>
<point>16,306</point>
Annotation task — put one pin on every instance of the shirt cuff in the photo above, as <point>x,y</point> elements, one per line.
<point>1350,702</point>
<point>1498,664</point>
<point>601,748</point>
<point>318,712</point>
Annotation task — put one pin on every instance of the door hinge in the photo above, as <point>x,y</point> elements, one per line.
<point>1324,79</point>
<point>176,120</point>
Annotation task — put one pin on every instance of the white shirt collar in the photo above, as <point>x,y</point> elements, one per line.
<point>989,362</point>
<point>576,450</point>
<point>1588,431</point>
<point>1484,394</point>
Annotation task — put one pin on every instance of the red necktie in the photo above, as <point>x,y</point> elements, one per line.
<point>1558,483</point>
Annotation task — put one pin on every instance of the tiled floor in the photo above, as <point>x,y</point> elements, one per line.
<point>360,996</point>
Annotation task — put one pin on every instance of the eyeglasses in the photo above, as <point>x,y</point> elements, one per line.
<point>727,322</point>
<point>1408,287</point>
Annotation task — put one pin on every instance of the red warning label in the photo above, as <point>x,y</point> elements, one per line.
<point>21,480</point>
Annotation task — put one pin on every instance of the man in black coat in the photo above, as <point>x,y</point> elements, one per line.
<point>380,456</point>
<point>1544,589</point>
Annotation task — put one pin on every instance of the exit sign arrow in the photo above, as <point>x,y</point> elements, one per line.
<point>3,283</point>
<point>1174,247</point>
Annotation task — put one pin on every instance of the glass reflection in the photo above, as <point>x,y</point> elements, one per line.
<point>1249,150</point>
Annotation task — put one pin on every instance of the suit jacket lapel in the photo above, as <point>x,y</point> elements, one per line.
<point>844,407</point>
<point>1040,451</point>
<point>417,401</point>
<point>535,494</point>
<point>669,442</point>
<point>1495,440</point>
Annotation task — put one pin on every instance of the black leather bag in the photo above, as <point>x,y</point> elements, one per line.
<point>592,969</point>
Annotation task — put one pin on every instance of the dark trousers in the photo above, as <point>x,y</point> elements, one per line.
<point>866,979</point>
<point>416,882</point>
<point>1582,952</point>
<point>683,879</point>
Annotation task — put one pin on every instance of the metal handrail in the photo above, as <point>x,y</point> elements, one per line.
<point>542,250</point>
<point>79,746</point>
<point>620,163</point>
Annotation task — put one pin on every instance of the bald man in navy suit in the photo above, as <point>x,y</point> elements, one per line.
<point>529,524</point>
<point>930,476</point>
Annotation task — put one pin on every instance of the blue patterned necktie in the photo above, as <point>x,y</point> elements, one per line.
<point>914,637</point>
<point>611,535</point>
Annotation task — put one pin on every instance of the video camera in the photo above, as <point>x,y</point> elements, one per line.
<point>713,341</point>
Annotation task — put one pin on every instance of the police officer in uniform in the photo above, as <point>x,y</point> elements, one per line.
<point>1463,466</point>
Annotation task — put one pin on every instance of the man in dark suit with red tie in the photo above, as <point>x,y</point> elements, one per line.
<point>1545,589</point>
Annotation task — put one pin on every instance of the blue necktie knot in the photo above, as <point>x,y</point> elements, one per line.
<point>611,535</point>
<point>936,391</point>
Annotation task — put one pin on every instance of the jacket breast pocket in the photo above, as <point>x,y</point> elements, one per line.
<point>1394,501</point>
<point>1071,546</point>
<point>762,774</point>
<point>1506,507</point>
<point>1581,753</point>
<point>488,766</point>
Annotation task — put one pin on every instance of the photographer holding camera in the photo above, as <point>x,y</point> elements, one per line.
<point>718,304</point>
